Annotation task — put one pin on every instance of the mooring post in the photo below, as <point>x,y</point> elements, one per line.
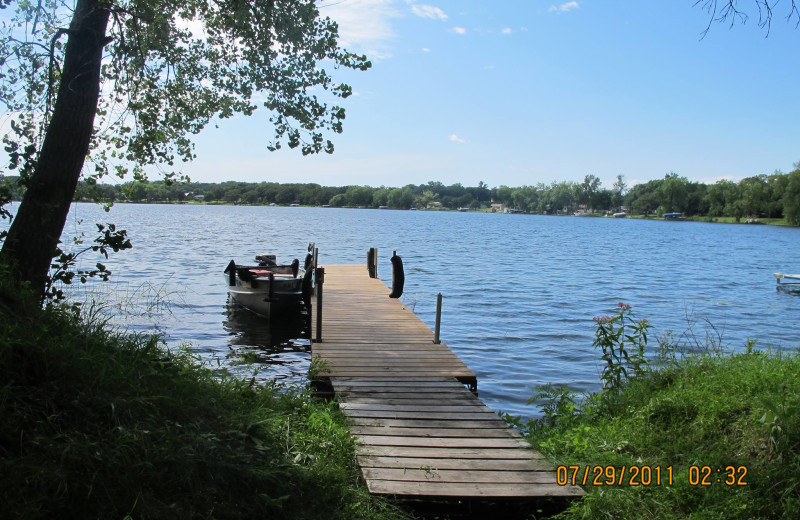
<point>438,319</point>
<point>319,280</point>
<point>372,262</point>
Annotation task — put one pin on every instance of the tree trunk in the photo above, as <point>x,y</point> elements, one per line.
<point>35,231</point>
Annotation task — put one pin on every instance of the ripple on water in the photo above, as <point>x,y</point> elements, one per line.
<point>519,291</point>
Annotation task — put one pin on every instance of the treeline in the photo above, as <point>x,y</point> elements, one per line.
<point>761,196</point>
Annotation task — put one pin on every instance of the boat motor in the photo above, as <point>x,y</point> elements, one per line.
<point>265,260</point>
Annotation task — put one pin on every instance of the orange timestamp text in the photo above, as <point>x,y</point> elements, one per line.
<point>614,475</point>
<point>604,475</point>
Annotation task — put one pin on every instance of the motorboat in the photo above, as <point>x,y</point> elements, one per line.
<point>788,279</point>
<point>268,288</point>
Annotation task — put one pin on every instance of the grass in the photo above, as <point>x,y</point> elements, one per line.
<point>98,424</point>
<point>742,220</point>
<point>740,410</point>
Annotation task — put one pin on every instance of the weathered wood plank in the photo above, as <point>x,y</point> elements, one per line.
<point>435,432</point>
<point>465,407</point>
<point>446,453</point>
<point>427,423</point>
<point>443,442</point>
<point>475,490</point>
<point>369,461</point>
<point>430,474</point>
<point>463,416</point>
<point>457,400</point>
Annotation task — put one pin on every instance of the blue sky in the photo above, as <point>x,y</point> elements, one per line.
<point>520,92</point>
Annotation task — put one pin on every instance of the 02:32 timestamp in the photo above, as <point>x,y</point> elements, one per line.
<point>707,475</point>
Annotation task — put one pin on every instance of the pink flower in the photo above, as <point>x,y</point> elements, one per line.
<point>601,319</point>
<point>624,306</point>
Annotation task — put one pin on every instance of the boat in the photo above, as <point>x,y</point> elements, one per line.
<point>794,279</point>
<point>580,214</point>
<point>621,214</point>
<point>268,288</point>
<point>672,216</point>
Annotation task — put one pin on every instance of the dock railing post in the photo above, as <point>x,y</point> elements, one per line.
<point>436,339</point>
<point>372,262</point>
<point>319,280</point>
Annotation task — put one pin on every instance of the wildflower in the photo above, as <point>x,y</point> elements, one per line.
<point>602,319</point>
<point>624,306</point>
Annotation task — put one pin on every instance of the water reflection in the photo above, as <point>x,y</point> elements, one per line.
<point>277,345</point>
<point>789,288</point>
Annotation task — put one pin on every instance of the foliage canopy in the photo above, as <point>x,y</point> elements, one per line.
<point>170,68</point>
<point>136,79</point>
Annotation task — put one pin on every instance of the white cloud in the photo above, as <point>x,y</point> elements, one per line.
<point>565,7</point>
<point>507,30</point>
<point>425,49</point>
<point>364,25</point>
<point>428,11</point>
<point>454,138</point>
<point>459,30</point>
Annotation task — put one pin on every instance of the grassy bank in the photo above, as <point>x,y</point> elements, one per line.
<point>694,415</point>
<point>100,425</point>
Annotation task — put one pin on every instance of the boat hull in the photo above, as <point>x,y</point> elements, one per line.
<point>266,292</point>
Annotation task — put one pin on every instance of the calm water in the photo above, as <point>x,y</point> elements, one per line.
<point>519,291</point>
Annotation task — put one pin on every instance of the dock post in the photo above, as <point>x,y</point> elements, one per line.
<point>319,280</point>
<point>372,262</point>
<point>436,339</point>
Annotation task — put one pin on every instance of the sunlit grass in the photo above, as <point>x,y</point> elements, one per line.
<point>719,411</point>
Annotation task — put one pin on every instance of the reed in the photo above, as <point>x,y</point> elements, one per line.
<point>101,424</point>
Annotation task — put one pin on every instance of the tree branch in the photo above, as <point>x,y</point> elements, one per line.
<point>722,11</point>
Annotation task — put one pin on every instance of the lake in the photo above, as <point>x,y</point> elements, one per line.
<point>520,291</point>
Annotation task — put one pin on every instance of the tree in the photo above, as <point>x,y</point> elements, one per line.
<point>791,198</point>
<point>728,11</point>
<point>755,195</point>
<point>588,189</point>
<point>401,197</point>
<point>167,69</point>
<point>641,199</point>
<point>720,197</point>
<point>618,192</point>
<point>672,194</point>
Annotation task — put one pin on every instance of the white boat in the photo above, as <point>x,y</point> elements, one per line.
<point>267,288</point>
<point>790,279</point>
<point>621,214</point>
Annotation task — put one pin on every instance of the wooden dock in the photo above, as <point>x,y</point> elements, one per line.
<point>422,432</point>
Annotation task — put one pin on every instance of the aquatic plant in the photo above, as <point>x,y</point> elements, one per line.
<point>622,340</point>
